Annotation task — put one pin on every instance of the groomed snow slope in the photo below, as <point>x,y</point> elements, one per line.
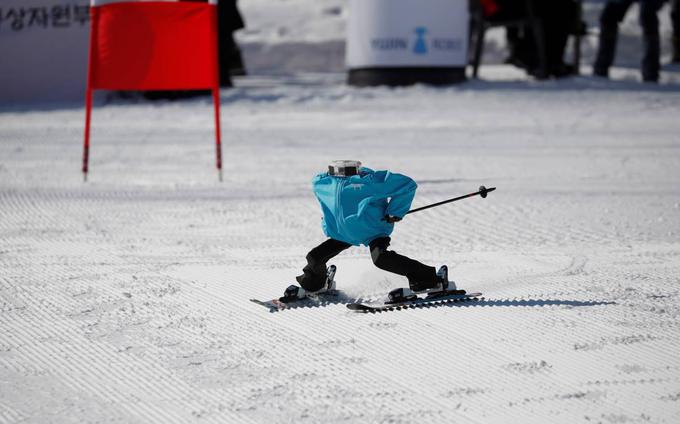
<point>125,299</point>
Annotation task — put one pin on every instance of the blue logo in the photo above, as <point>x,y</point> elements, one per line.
<point>420,46</point>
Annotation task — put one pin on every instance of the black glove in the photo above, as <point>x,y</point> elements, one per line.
<point>391,219</point>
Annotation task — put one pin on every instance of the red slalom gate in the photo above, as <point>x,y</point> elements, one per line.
<point>153,45</point>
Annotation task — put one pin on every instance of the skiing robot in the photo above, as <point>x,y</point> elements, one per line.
<point>360,207</point>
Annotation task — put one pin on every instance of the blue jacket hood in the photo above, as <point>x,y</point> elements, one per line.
<point>353,207</point>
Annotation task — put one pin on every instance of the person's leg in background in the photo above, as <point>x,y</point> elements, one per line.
<point>512,36</point>
<point>649,21</point>
<point>675,19</point>
<point>229,21</point>
<point>613,13</point>
<point>521,44</point>
<point>558,20</point>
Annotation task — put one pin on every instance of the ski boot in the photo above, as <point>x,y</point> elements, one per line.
<point>443,285</point>
<point>448,287</point>
<point>294,292</point>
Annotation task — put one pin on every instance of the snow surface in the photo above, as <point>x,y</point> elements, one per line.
<point>125,299</point>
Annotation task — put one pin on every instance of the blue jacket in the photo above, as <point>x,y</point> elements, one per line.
<point>353,207</point>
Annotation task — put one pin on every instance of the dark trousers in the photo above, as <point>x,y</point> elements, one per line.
<point>314,273</point>
<point>558,19</point>
<point>231,61</point>
<point>612,14</point>
<point>229,20</point>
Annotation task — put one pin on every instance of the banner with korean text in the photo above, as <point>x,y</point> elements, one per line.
<point>43,50</point>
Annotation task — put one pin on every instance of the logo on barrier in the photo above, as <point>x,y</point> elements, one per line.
<point>391,43</point>
<point>420,46</point>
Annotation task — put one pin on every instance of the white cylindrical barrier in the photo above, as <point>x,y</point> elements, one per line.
<point>400,42</point>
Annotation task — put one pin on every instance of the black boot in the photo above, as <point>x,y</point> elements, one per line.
<point>441,282</point>
<point>300,292</point>
<point>310,280</point>
<point>315,273</point>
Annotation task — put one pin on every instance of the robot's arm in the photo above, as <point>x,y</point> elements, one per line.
<point>400,190</point>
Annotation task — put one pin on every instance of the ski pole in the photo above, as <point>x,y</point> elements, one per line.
<point>483,191</point>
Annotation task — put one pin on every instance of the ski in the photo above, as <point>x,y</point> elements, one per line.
<point>448,296</point>
<point>330,297</point>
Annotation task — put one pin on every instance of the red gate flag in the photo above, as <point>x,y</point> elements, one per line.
<point>153,45</point>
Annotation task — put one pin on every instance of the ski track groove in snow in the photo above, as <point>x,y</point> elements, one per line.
<point>306,317</point>
<point>482,353</point>
<point>97,367</point>
<point>300,335</point>
<point>126,299</point>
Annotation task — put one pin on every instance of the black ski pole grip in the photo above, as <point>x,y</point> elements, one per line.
<point>483,191</point>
